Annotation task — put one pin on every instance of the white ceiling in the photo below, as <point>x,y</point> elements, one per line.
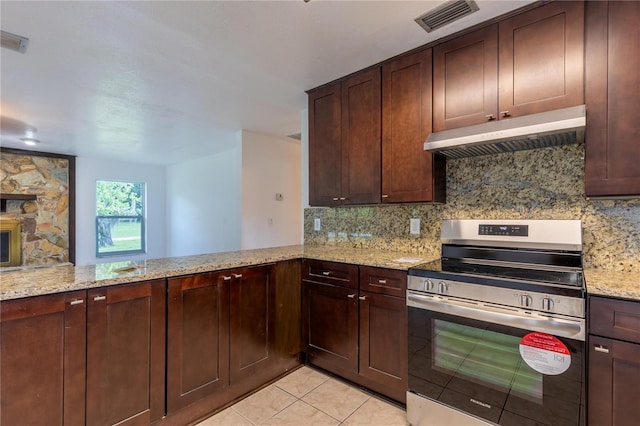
<point>159,82</point>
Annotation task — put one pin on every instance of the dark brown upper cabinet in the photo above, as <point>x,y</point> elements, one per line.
<point>465,80</point>
<point>541,59</point>
<point>612,97</point>
<point>344,141</point>
<point>409,173</point>
<point>530,63</point>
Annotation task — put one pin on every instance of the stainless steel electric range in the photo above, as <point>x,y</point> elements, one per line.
<point>497,326</point>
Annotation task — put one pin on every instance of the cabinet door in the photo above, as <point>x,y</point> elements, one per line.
<point>330,327</point>
<point>612,97</point>
<point>252,318</point>
<point>126,353</point>
<point>613,391</point>
<point>361,138</point>
<point>409,173</point>
<point>42,360</point>
<point>197,338</point>
<point>383,342</point>
<point>541,59</point>
<point>325,145</point>
<point>465,80</point>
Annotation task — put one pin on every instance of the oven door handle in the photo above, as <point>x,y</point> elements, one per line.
<point>527,320</point>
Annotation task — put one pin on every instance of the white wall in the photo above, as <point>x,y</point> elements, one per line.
<point>204,201</point>
<point>88,170</point>
<point>270,166</point>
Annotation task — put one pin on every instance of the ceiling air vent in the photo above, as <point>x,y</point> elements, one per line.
<point>13,41</point>
<point>446,13</point>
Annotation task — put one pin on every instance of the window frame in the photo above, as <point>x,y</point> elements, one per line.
<point>141,217</point>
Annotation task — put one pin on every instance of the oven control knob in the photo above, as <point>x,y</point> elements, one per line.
<point>443,287</point>
<point>429,285</point>
<point>547,304</point>
<point>525,301</point>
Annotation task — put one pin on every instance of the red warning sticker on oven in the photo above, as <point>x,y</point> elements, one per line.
<point>545,353</point>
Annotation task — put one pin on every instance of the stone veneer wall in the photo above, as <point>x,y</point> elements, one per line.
<point>45,221</point>
<point>538,184</point>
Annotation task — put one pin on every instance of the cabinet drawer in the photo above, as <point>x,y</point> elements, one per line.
<point>384,281</point>
<point>341,274</point>
<point>619,319</point>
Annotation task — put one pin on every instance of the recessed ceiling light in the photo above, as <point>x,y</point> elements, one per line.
<point>30,141</point>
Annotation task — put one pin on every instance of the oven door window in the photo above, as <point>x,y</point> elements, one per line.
<point>476,367</point>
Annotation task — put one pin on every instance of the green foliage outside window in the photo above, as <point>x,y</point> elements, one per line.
<point>119,217</point>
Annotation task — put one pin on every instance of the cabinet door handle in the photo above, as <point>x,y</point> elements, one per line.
<point>326,273</point>
<point>99,298</point>
<point>600,348</point>
<point>236,276</point>
<point>385,196</point>
<point>505,113</point>
<point>351,296</point>
<point>382,281</point>
<point>76,302</point>
<point>362,297</point>
<point>335,198</point>
<point>343,198</point>
<point>490,117</point>
<point>226,278</point>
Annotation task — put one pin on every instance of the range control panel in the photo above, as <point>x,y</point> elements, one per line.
<point>509,230</point>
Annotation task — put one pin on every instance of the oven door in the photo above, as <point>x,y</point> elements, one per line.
<point>505,366</point>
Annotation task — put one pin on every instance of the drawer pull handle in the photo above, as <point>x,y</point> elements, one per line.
<point>505,113</point>
<point>99,298</point>
<point>382,281</point>
<point>489,117</point>
<point>351,296</point>
<point>600,348</point>
<point>76,302</point>
<point>236,276</point>
<point>362,297</point>
<point>326,273</point>
<point>226,278</point>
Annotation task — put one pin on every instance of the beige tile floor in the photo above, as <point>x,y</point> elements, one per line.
<point>308,397</point>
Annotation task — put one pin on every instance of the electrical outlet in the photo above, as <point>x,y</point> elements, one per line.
<point>316,224</point>
<point>414,226</point>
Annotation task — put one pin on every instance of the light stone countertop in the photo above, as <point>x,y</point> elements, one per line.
<point>601,282</point>
<point>17,284</point>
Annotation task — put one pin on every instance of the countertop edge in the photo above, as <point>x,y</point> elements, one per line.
<point>19,284</point>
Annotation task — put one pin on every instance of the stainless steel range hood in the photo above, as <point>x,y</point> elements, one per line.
<point>553,128</point>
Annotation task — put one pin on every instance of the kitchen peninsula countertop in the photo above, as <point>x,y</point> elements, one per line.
<point>17,284</point>
<point>601,282</point>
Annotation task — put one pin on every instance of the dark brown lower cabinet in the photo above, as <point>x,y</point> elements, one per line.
<point>614,372</point>
<point>614,362</point>
<point>360,335</point>
<point>126,354</point>
<point>42,360</point>
<point>197,338</point>
<point>330,327</point>
<point>252,322</point>
<point>228,333</point>
<point>383,343</point>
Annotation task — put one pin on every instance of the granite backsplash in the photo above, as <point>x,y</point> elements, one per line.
<point>538,184</point>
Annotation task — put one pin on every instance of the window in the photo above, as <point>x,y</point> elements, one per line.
<point>119,218</point>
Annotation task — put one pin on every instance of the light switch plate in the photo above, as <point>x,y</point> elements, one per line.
<point>316,224</point>
<point>414,226</point>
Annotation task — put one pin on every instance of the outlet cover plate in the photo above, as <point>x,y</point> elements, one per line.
<point>414,226</point>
